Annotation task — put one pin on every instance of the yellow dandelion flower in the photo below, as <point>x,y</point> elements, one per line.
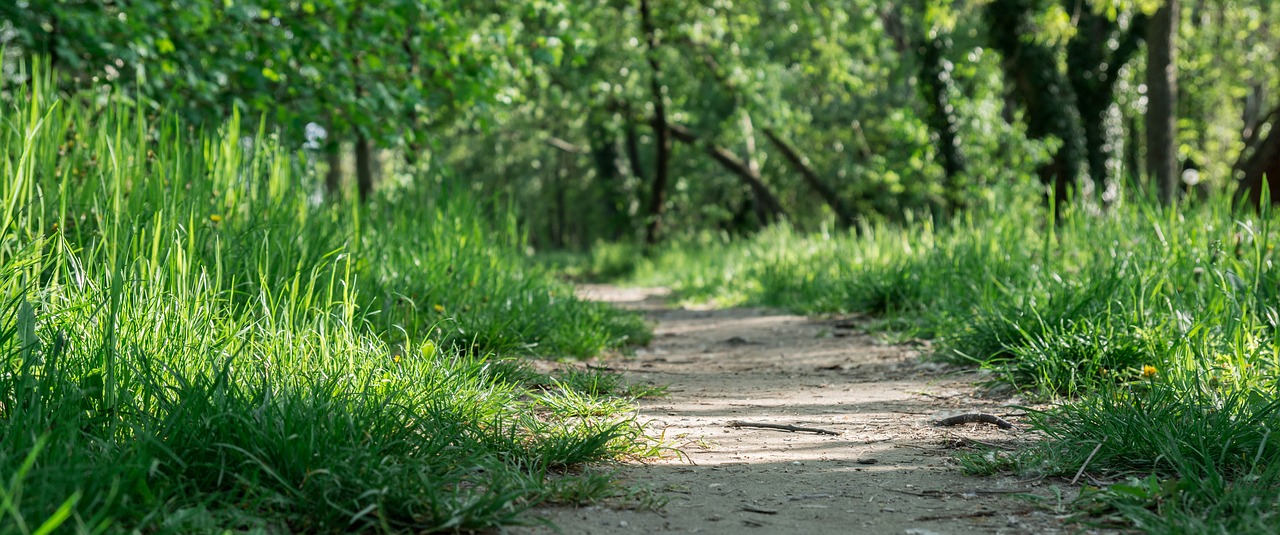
<point>438,308</point>
<point>215,218</point>
<point>1148,370</point>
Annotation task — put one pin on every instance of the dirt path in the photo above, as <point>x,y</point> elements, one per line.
<point>888,471</point>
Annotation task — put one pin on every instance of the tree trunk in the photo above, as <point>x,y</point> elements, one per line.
<point>333,176</point>
<point>558,236</point>
<point>662,159</point>
<point>937,88</point>
<point>1131,159</point>
<point>1085,53</point>
<point>604,154</point>
<point>753,165</point>
<point>1260,165</point>
<point>1031,68</point>
<point>364,167</point>
<point>1162,101</point>
<point>52,43</point>
<point>412,136</point>
<point>1093,67</point>
<point>633,151</point>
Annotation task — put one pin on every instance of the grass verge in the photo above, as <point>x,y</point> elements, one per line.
<point>190,342</point>
<point>1153,329</point>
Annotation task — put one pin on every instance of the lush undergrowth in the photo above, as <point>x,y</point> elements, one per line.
<point>189,342</point>
<point>1155,330</point>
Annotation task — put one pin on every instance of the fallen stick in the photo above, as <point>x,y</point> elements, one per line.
<point>781,427</point>
<point>975,418</point>
<point>808,497</point>
<point>974,514</point>
<point>1087,459</point>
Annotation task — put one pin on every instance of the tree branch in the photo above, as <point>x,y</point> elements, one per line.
<point>730,161</point>
<point>811,178</point>
<point>564,145</point>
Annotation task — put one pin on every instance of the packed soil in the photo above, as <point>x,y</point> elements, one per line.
<point>887,467</point>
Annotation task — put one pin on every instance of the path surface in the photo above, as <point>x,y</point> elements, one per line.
<point>888,471</point>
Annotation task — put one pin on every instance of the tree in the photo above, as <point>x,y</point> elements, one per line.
<point>360,69</point>
<point>662,158</point>
<point>1162,100</point>
<point>1031,68</point>
<point>1096,56</point>
<point>938,90</point>
<point>1259,164</point>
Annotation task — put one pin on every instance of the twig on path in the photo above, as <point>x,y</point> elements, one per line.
<point>975,418</point>
<point>808,497</point>
<point>792,428</point>
<point>933,396</point>
<point>1086,461</point>
<point>753,509</point>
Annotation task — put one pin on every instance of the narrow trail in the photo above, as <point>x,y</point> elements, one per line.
<point>888,471</point>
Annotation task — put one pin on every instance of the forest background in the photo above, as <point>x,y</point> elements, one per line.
<point>228,225</point>
<point>626,121</point>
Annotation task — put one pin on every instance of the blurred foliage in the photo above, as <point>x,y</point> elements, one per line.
<point>896,107</point>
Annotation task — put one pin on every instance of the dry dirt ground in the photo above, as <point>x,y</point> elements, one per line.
<point>889,469</point>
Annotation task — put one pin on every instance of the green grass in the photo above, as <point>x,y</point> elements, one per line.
<point>190,343</point>
<point>1152,330</point>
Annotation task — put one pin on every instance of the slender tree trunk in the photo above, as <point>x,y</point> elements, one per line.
<point>333,175</point>
<point>1162,101</point>
<point>753,165</point>
<point>604,154</point>
<point>364,156</point>
<point>938,88</point>
<point>558,237</point>
<point>413,145</point>
<point>633,151</point>
<point>1086,60</point>
<point>1265,168</point>
<point>662,159</point>
<point>1131,154</point>
<point>364,167</point>
<point>52,43</point>
<point>1252,114</point>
